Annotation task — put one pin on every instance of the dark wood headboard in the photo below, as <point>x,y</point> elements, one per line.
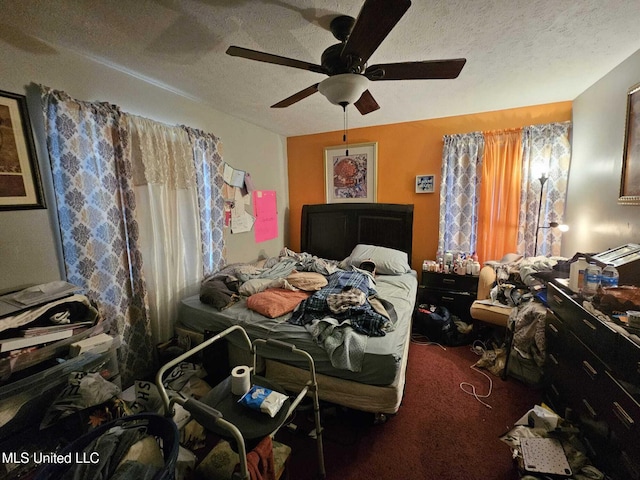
<point>331,230</point>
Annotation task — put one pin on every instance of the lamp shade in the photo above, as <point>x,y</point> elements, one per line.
<point>560,226</point>
<point>343,89</point>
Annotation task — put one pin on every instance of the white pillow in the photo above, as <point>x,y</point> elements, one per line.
<point>253,286</point>
<point>388,260</point>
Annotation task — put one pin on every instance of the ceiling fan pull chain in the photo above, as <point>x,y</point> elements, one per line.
<point>346,127</point>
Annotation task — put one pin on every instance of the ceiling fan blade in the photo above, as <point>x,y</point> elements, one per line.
<point>296,97</point>
<point>276,59</point>
<point>375,20</point>
<point>432,69</point>
<point>366,103</point>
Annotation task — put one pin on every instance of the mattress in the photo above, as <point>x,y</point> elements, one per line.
<point>383,355</point>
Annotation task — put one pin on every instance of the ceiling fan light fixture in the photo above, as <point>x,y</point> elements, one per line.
<point>344,89</point>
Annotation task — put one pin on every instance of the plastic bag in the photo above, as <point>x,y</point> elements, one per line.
<point>263,399</point>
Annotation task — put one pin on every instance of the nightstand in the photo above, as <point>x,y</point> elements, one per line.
<point>450,290</point>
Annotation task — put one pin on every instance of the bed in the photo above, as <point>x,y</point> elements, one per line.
<point>335,232</point>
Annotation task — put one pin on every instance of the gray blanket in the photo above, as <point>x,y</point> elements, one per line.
<point>343,344</point>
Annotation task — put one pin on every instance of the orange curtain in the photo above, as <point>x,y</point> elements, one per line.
<point>500,190</point>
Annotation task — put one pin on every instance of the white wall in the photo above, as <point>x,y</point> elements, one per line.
<point>29,241</point>
<point>597,221</point>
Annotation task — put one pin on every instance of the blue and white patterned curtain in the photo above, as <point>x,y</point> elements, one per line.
<point>131,189</point>
<point>546,148</point>
<point>96,213</point>
<point>459,192</point>
<point>209,168</point>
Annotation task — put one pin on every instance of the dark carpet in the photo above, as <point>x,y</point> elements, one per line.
<point>440,432</point>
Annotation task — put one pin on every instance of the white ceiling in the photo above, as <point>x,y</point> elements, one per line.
<point>519,52</point>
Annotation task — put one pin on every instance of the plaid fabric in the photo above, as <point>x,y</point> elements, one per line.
<point>339,302</point>
<point>363,318</point>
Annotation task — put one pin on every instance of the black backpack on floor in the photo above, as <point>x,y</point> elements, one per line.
<point>437,324</point>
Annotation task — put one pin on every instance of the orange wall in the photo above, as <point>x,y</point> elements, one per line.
<point>404,151</point>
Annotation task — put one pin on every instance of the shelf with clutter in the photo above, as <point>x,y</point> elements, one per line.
<point>38,326</point>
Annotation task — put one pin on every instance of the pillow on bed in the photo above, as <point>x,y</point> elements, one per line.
<point>307,281</point>
<point>253,286</point>
<point>274,302</point>
<point>388,260</point>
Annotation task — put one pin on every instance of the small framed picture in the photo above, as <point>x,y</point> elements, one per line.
<point>425,183</point>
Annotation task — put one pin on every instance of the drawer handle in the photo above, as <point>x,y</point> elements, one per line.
<point>449,299</point>
<point>589,408</point>
<point>553,328</point>
<point>592,372</point>
<point>558,299</point>
<point>554,359</point>
<point>589,324</point>
<point>623,416</point>
<point>450,281</point>
<point>555,390</point>
<point>590,449</point>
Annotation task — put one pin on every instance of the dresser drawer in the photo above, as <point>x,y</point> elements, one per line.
<point>628,360</point>
<point>594,333</point>
<point>555,333</point>
<point>623,415</point>
<point>587,382</point>
<point>560,389</point>
<point>590,371</point>
<point>560,371</point>
<point>448,281</point>
<point>458,303</point>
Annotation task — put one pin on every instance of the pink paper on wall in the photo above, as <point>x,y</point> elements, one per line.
<point>266,212</point>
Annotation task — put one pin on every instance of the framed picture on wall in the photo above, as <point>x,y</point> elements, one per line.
<point>20,186</point>
<point>630,180</point>
<point>425,183</point>
<point>352,176</point>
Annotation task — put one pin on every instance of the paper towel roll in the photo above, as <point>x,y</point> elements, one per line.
<point>240,380</point>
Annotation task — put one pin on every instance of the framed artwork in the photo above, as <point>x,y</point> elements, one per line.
<point>351,177</point>
<point>630,179</point>
<point>425,183</point>
<point>20,186</point>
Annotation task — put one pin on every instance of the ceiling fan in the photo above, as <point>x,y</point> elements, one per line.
<point>346,62</point>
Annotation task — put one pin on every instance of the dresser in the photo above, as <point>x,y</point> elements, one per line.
<point>592,378</point>
<point>455,292</point>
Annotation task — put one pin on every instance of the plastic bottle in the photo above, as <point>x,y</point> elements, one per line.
<point>610,276</point>
<point>476,268</point>
<point>448,259</point>
<point>576,274</point>
<point>592,276</point>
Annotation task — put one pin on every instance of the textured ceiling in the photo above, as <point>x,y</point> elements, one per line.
<point>519,52</point>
